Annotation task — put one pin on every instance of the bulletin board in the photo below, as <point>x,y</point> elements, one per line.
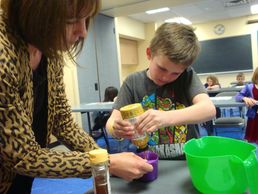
<point>225,55</point>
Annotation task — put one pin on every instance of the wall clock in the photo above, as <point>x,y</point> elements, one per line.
<point>219,29</point>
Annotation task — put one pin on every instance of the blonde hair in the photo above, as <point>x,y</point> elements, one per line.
<point>176,41</point>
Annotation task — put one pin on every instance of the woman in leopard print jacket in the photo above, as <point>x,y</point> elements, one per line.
<point>33,37</point>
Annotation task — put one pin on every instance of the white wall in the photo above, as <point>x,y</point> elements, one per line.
<point>71,86</point>
<point>233,27</point>
<point>129,28</point>
<point>133,29</point>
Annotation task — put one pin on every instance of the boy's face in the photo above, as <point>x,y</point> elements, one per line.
<point>240,79</point>
<point>162,71</point>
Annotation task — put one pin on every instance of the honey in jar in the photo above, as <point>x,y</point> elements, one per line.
<point>130,112</point>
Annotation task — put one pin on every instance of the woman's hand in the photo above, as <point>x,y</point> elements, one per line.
<point>128,166</point>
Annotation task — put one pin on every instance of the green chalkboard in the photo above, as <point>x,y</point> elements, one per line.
<point>225,55</point>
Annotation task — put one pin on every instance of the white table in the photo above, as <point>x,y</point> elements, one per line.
<point>214,92</point>
<point>226,101</point>
<point>94,107</point>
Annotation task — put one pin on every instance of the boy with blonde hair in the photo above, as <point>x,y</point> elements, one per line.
<point>170,92</point>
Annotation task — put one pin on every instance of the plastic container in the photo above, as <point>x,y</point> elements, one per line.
<point>100,172</point>
<point>220,165</point>
<point>152,158</point>
<point>130,112</point>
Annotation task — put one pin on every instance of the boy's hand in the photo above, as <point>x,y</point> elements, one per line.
<point>151,120</point>
<point>123,129</point>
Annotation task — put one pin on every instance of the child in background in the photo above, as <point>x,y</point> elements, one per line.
<point>249,95</point>
<point>100,123</point>
<point>102,117</point>
<point>212,82</point>
<point>240,78</point>
<point>110,94</point>
<point>170,92</point>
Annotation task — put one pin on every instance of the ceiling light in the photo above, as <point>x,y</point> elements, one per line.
<point>254,9</point>
<point>180,20</point>
<point>153,11</point>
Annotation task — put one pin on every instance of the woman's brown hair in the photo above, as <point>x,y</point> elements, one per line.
<point>214,79</point>
<point>42,23</point>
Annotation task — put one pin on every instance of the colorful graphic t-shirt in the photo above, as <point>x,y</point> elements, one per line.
<point>168,141</point>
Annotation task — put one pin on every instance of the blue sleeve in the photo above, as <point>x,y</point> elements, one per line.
<point>245,92</point>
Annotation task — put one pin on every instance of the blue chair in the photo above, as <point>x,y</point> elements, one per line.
<point>229,125</point>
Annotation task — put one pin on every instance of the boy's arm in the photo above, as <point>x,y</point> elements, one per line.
<point>202,110</point>
<point>116,115</point>
<point>119,128</point>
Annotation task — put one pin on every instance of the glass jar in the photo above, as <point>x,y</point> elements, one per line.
<point>100,172</point>
<point>130,113</point>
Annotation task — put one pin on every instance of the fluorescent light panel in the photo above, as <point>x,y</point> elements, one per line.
<point>153,11</point>
<point>254,9</point>
<point>180,20</point>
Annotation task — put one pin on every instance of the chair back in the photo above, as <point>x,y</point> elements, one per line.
<point>229,124</point>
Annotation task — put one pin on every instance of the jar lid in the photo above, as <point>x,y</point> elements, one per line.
<point>98,156</point>
<point>131,110</point>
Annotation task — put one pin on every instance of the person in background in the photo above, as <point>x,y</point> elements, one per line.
<point>249,95</point>
<point>110,94</point>
<point>100,118</point>
<point>240,78</point>
<point>33,103</point>
<point>212,82</point>
<point>170,92</point>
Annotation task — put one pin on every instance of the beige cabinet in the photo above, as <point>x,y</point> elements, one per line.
<point>128,51</point>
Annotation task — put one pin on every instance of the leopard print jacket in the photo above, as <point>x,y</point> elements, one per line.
<point>19,151</point>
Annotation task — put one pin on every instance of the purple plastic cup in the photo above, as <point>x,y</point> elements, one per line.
<point>152,158</point>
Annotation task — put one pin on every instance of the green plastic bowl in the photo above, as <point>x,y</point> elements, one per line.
<point>216,164</point>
